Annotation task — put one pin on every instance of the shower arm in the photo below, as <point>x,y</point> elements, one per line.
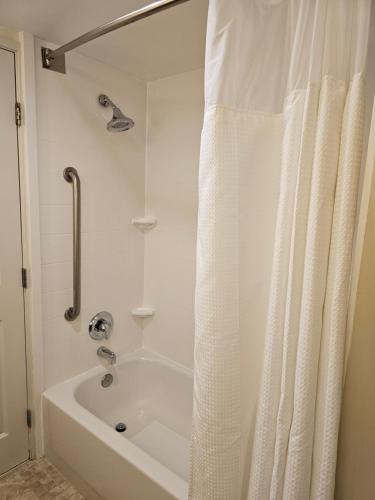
<point>55,59</point>
<point>106,101</point>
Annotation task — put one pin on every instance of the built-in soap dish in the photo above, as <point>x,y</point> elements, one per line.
<point>143,312</point>
<point>145,223</point>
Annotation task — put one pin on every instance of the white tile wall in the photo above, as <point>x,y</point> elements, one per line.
<point>175,117</point>
<point>72,132</point>
<point>122,268</point>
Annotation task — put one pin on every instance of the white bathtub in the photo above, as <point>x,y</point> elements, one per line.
<point>153,397</point>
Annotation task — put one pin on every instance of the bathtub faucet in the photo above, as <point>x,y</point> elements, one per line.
<point>105,353</point>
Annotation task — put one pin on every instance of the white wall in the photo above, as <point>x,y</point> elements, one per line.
<point>72,132</point>
<point>175,117</point>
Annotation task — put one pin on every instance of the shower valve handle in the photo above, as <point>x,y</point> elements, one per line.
<point>101,325</point>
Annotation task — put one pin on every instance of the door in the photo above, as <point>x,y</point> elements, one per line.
<point>14,447</point>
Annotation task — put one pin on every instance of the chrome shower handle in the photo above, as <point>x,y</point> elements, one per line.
<point>71,175</point>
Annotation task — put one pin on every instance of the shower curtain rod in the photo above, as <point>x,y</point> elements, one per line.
<point>55,59</point>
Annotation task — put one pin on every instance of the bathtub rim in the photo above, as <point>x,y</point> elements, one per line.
<point>62,395</point>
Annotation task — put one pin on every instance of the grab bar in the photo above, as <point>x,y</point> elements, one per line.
<point>71,175</point>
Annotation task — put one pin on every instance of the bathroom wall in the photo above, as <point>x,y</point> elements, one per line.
<point>174,124</point>
<point>72,132</point>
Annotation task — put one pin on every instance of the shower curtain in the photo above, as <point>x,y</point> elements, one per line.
<point>284,90</point>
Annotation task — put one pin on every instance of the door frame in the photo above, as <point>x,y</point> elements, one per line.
<point>22,45</point>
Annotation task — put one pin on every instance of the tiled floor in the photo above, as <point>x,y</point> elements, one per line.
<point>36,480</point>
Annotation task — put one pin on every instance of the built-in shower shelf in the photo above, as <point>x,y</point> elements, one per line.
<point>145,223</point>
<point>143,312</point>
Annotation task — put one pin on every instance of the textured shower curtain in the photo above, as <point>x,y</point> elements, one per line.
<point>284,89</point>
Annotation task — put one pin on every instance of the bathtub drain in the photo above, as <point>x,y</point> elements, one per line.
<point>121,427</point>
<point>107,380</point>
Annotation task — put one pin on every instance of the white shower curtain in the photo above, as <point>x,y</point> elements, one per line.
<point>284,95</point>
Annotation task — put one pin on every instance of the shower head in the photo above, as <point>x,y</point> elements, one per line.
<point>119,121</point>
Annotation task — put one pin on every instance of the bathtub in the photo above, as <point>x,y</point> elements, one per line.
<point>152,396</point>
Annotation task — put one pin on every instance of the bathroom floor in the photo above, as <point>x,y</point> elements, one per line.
<point>36,480</point>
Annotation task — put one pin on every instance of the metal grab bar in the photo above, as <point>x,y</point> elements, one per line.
<point>71,175</point>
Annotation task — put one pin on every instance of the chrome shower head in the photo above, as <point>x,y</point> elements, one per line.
<point>119,122</point>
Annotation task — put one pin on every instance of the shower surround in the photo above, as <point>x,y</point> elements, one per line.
<point>72,132</point>
<point>149,170</point>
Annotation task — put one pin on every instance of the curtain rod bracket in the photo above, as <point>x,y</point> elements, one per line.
<point>54,63</point>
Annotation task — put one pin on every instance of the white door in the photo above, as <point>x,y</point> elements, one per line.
<point>14,447</point>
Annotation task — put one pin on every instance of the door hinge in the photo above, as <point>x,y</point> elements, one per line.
<point>28,418</point>
<point>24,277</point>
<point>18,114</point>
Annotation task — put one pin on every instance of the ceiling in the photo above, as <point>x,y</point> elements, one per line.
<point>167,43</point>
